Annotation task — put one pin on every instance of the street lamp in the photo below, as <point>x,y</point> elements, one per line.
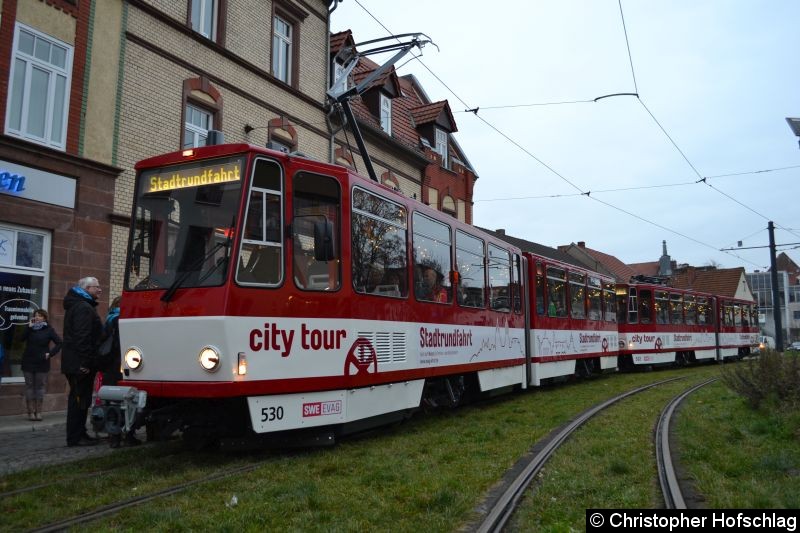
<point>794,123</point>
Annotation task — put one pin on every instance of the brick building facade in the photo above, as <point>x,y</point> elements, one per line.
<point>55,200</point>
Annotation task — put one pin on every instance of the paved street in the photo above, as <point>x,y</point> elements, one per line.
<point>25,444</point>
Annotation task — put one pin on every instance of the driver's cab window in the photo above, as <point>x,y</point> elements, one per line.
<point>261,254</point>
<point>315,232</point>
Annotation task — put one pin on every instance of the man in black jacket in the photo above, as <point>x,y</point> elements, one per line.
<point>83,332</point>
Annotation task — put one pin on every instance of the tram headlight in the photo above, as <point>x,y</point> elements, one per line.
<point>209,358</point>
<point>133,358</point>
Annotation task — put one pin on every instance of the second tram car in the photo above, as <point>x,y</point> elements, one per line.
<point>573,320</point>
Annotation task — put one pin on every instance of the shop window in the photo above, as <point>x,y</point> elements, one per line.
<point>39,81</point>
<point>24,271</point>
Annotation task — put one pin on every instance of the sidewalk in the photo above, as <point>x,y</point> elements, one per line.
<point>20,423</point>
<point>25,444</point>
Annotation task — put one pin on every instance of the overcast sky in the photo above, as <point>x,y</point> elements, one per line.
<point>719,76</point>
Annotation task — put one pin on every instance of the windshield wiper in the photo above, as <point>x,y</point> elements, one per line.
<point>167,296</point>
<point>170,292</point>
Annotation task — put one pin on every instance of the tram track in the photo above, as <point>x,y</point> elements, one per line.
<point>505,504</point>
<point>667,476</point>
<point>116,507</point>
<point>78,477</point>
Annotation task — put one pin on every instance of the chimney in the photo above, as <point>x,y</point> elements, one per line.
<point>500,231</point>
<point>581,244</point>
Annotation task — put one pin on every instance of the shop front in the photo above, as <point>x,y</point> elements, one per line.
<point>55,228</point>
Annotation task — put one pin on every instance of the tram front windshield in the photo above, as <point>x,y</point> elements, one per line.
<point>183,227</point>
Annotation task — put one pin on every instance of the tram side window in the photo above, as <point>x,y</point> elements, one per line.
<point>378,241</point>
<point>662,307</point>
<point>540,288</point>
<point>432,241</point>
<point>703,311</point>
<point>577,290</point>
<point>471,270</point>
<point>737,315</point>
<point>728,317</point>
<point>516,283</point>
<point>676,308</point>
<point>595,299</point>
<point>556,292</point>
<point>754,315</point>
<point>261,253</point>
<point>315,232</point>
<point>622,304</point>
<point>633,307</point>
<point>609,303</point>
<point>499,279</point>
<point>690,309</point>
<point>645,306</point>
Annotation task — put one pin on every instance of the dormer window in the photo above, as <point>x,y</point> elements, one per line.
<point>441,146</point>
<point>386,114</point>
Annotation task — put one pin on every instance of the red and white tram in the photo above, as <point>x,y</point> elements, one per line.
<point>663,325</point>
<point>573,320</point>
<point>268,292</point>
<point>737,331</point>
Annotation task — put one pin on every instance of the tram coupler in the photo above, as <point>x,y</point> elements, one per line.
<point>116,415</point>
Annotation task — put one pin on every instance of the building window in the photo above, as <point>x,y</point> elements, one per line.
<point>282,47</point>
<point>441,146</point>
<point>24,271</point>
<point>196,127</point>
<point>38,98</point>
<point>386,114</point>
<point>204,16</point>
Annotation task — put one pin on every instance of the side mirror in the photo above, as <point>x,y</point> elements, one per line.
<point>323,241</point>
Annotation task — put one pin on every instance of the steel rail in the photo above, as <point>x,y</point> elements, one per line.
<point>505,505</point>
<point>670,487</point>
<point>113,508</point>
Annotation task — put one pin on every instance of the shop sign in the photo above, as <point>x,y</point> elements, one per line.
<point>34,184</point>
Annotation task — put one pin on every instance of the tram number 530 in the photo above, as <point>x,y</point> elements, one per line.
<point>270,414</point>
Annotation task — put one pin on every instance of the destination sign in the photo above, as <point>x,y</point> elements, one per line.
<point>195,177</point>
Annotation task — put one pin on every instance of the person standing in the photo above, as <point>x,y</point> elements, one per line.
<point>36,360</point>
<point>83,332</point>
